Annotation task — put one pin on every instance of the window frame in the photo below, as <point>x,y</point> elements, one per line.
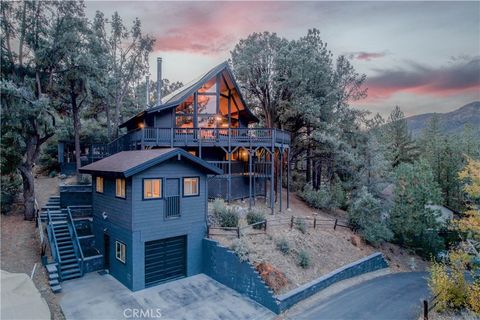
<point>103,184</point>
<point>161,188</point>
<point>119,243</point>
<point>183,187</point>
<point>125,188</point>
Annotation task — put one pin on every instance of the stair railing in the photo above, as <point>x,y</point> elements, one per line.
<point>75,238</point>
<point>55,243</point>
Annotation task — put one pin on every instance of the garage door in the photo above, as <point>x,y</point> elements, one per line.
<point>165,260</point>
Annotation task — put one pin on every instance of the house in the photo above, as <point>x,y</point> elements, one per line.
<point>150,214</point>
<point>209,118</point>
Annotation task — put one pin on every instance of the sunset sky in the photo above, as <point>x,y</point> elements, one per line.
<point>422,56</point>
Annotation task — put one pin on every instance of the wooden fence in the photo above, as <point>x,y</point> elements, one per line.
<point>261,227</point>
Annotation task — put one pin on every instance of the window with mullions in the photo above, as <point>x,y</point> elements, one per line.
<point>207,104</point>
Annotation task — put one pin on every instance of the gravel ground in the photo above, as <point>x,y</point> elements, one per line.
<point>328,249</point>
<point>20,248</point>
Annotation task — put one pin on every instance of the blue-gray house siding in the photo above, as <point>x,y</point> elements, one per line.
<point>134,221</point>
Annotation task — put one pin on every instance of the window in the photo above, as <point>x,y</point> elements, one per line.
<point>99,184</point>
<point>190,187</point>
<point>120,251</point>
<point>120,190</point>
<point>152,188</point>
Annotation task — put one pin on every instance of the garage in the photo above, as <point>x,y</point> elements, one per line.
<point>165,260</point>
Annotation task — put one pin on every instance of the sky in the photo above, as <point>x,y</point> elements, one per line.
<point>422,56</point>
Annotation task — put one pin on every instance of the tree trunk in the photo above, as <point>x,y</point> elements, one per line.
<point>76,128</point>
<point>117,116</point>
<point>109,124</point>
<point>27,178</point>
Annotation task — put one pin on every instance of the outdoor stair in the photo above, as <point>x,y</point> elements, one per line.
<point>53,278</point>
<point>56,213</point>
<point>69,266</point>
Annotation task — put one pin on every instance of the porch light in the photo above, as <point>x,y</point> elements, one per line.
<point>141,125</point>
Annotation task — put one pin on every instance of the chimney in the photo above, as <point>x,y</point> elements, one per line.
<point>159,81</point>
<point>147,91</point>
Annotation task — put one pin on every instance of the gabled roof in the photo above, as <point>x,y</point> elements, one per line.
<point>176,97</point>
<point>129,163</point>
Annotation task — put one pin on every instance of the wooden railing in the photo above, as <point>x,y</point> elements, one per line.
<point>198,136</point>
<point>56,253</point>
<point>172,206</point>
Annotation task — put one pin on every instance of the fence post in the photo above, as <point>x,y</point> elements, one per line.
<point>425,310</point>
<point>265,226</point>
<point>208,231</point>
<point>335,226</point>
<point>238,232</point>
<point>314,222</point>
<point>291,223</point>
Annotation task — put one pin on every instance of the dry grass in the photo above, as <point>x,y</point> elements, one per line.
<point>328,249</point>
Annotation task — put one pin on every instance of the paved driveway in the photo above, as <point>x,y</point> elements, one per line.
<point>394,296</point>
<point>198,297</point>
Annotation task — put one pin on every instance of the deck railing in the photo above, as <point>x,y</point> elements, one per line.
<point>198,136</point>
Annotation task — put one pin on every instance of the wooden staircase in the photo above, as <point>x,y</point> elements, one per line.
<point>56,213</point>
<point>68,261</point>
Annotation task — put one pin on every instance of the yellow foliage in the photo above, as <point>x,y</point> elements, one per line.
<point>450,289</point>
<point>474,297</point>
<point>471,175</point>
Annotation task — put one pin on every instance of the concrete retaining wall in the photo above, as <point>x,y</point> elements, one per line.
<point>224,266</point>
<point>371,263</point>
<point>73,195</point>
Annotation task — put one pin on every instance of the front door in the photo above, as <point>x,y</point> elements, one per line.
<point>173,187</point>
<point>106,251</point>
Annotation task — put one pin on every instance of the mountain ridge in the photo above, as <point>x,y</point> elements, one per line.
<point>452,122</point>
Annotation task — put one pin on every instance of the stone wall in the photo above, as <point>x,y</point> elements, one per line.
<point>371,263</point>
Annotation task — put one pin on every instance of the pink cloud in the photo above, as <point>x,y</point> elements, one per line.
<point>366,56</point>
<point>461,78</point>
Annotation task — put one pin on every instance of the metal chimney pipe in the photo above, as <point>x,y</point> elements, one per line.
<point>159,81</point>
<point>147,91</point>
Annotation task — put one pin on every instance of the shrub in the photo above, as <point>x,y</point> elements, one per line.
<point>449,288</point>
<point>283,246</point>
<point>366,215</point>
<point>473,300</point>
<point>339,196</point>
<point>85,179</point>
<point>320,198</point>
<point>52,174</point>
<point>226,217</point>
<point>304,259</point>
<point>301,225</point>
<point>10,188</point>
<point>255,216</point>
<point>241,249</point>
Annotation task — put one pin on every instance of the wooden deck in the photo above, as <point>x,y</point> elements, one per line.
<point>200,137</point>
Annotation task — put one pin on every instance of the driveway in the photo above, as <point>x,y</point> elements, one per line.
<point>199,297</point>
<point>394,296</point>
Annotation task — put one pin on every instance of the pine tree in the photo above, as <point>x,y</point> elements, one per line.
<point>400,145</point>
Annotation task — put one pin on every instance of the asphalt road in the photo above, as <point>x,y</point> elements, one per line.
<point>389,297</point>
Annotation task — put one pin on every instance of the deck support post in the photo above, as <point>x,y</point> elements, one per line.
<point>280,177</point>
<point>272,175</point>
<point>250,173</point>
<point>288,178</point>
<point>229,189</point>
<point>200,143</point>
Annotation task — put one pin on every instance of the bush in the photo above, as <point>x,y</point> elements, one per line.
<point>473,300</point>
<point>255,216</point>
<point>365,214</point>
<point>85,179</point>
<point>339,196</point>
<point>283,246</point>
<point>48,158</point>
<point>52,174</point>
<point>320,199</point>
<point>241,249</point>
<point>226,217</point>
<point>449,288</point>
<point>301,225</point>
<point>304,259</point>
<point>11,185</point>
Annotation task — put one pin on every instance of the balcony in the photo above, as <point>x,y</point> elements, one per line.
<point>200,137</point>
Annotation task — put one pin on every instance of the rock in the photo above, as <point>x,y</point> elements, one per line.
<point>355,240</point>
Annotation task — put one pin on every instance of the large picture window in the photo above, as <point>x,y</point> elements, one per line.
<point>152,188</point>
<point>120,188</point>
<point>99,184</point>
<point>191,187</point>
<point>120,251</point>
